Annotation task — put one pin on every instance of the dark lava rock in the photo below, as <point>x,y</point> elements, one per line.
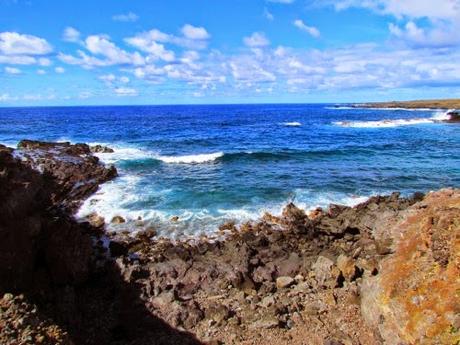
<point>75,171</point>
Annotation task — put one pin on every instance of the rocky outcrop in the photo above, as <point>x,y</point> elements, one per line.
<point>38,242</point>
<point>56,286</point>
<point>275,278</point>
<point>75,171</point>
<point>383,272</point>
<point>415,298</point>
<point>454,116</point>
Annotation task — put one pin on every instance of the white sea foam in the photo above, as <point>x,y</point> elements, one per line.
<point>437,117</point>
<point>292,124</point>
<point>190,159</point>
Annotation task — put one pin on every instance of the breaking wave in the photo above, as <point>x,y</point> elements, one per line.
<point>387,123</point>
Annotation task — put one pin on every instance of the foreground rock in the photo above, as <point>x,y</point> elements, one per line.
<point>281,280</point>
<point>56,286</point>
<point>415,299</point>
<point>384,272</point>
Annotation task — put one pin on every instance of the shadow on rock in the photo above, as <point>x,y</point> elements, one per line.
<point>69,291</point>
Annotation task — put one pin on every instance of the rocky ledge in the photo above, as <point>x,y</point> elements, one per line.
<point>384,272</point>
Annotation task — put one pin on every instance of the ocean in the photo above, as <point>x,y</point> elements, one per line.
<point>208,164</point>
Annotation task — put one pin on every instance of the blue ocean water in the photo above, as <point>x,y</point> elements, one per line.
<point>208,164</point>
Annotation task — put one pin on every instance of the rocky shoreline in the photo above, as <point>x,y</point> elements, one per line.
<point>383,272</point>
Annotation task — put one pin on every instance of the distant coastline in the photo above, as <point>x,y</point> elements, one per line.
<point>425,104</point>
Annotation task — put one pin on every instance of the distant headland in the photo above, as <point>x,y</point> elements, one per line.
<point>428,104</point>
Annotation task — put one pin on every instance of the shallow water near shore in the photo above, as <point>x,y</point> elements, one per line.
<point>209,164</point>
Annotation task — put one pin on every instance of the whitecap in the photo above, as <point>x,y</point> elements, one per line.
<point>292,124</point>
<point>387,123</point>
<point>190,159</point>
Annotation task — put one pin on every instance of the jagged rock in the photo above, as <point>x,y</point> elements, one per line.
<point>266,322</point>
<point>75,171</point>
<point>95,220</point>
<point>347,266</point>
<point>326,273</point>
<point>218,313</point>
<point>414,298</point>
<point>118,220</point>
<point>284,282</point>
<point>101,149</point>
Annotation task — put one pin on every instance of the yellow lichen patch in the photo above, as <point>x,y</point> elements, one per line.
<point>422,279</point>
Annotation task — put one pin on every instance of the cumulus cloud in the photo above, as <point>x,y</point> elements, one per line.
<point>415,36</point>
<point>439,9</point>
<point>108,54</point>
<point>153,41</point>
<point>256,40</point>
<point>12,70</point>
<point>195,32</point>
<point>13,43</point>
<point>41,72</point>
<point>126,17</point>
<point>148,43</point>
<point>59,70</point>
<point>71,34</point>
<point>311,30</point>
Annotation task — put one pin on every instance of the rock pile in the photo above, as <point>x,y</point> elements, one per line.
<point>384,272</point>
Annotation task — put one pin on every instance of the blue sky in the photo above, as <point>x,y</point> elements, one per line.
<point>227,51</point>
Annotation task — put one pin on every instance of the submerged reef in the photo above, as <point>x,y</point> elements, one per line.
<point>384,272</point>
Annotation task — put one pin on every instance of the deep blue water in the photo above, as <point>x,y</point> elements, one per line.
<point>253,159</point>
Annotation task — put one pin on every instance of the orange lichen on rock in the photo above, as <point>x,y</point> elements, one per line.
<point>420,282</point>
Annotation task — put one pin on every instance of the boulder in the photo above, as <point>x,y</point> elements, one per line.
<point>414,298</point>
<point>101,149</point>
<point>118,220</point>
<point>284,282</point>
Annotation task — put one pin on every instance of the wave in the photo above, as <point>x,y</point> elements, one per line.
<point>190,159</point>
<point>126,197</point>
<point>291,124</point>
<point>387,123</point>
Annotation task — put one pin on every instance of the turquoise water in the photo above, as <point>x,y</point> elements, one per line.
<point>207,164</point>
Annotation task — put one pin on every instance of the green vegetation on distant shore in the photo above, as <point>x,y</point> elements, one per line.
<point>431,104</point>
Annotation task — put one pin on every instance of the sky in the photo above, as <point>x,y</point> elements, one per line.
<point>115,52</point>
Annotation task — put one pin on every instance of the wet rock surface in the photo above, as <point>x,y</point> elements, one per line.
<point>362,275</point>
<point>75,170</point>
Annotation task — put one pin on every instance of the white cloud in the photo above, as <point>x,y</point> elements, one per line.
<point>108,78</point>
<point>126,17</point>
<point>148,43</point>
<point>12,70</point>
<point>311,30</point>
<point>13,43</point>
<point>44,61</point>
<point>194,32</point>
<point>59,70</point>
<point>71,34</point>
<point>111,79</point>
<point>439,9</point>
<point>102,46</point>
<point>415,36</point>
<point>125,91</point>
<point>41,72</point>
<point>256,40</point>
